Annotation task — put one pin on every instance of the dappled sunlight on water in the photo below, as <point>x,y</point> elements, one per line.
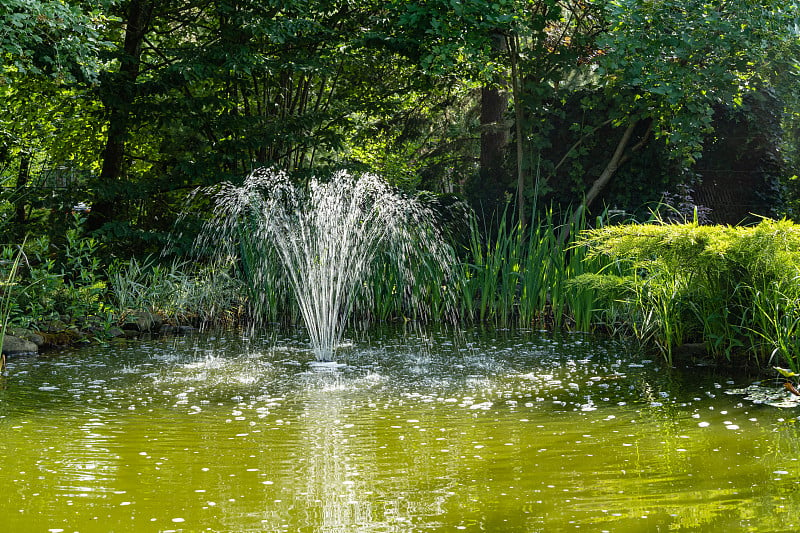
<point>486,432</point>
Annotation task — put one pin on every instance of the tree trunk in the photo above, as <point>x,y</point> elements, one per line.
<point>518,118</point>
<point>494,134</point>
<point>119,95</point>
<point>488,193</point>
<point>614,163</point>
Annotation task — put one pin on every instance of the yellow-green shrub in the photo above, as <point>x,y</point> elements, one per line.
<point>733,288</point>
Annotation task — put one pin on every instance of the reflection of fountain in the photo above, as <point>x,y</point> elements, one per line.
<point>325,241</point>
<point>342,463</point>
<point>334,485</point>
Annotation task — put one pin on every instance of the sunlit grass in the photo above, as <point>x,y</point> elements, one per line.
<point>733,289</point>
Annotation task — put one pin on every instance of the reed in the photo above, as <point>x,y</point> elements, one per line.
<point>179,291</point>
<point>777,323</point>
<point>7,299</point>
<point>519,276</point>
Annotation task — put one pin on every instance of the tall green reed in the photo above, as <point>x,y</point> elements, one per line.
<point>777,324</point>
<point>180,291</point>
<point>7,298</point>
<point>519,276</point>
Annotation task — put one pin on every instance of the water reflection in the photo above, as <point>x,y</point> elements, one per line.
<point>334,486</point>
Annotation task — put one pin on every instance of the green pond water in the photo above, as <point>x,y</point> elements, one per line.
<point>497,432</point>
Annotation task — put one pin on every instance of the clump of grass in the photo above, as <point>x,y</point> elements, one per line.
<point>735,289</point>
<point>519,276</point>
<point>179,291</point>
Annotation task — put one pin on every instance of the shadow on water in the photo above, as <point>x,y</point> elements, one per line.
<point>496,430</point>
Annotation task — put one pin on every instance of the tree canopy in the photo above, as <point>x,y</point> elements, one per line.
<point>543,101</point>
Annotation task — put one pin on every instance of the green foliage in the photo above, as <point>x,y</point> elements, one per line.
<point>520,277</point>
<point>682,57</point>
<point>58,39</point>
<point>179,291</point>
<point>53,283</point>
<point>46,283</point>
<point>735,289</point>
<point>6,301</point>
<point>222,87</point>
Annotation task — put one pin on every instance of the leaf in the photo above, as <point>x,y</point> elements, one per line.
<point>785,373</point>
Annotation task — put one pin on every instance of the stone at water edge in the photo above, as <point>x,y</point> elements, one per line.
<point>27,334</point>
<point>16,346</point>
<point>169,329</point>
<point>143,321</point>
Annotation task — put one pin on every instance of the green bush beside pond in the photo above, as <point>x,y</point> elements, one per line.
<point>734,289</point>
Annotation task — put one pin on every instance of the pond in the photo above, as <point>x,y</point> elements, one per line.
<point>484,431</point>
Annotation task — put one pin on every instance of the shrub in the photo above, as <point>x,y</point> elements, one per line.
<point>733,288</point>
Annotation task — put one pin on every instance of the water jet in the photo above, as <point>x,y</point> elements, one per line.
<point>324,244</point>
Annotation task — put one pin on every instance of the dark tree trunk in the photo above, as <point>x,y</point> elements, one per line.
<point>513,48</point>
<point>488,192</point>
<point>119,93</point>
<point>494,138</point>
<point>20,215</point>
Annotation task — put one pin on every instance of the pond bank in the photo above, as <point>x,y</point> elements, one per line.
<point>65,332</point>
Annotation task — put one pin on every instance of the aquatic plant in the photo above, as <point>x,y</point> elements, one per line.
<point>777,317</point>
<point>520,276</point>
<point>179,290</point>
<point>7,298</point>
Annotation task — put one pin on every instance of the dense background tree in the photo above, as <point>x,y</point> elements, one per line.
<point>549,102</point>
<point>208,92</point>
<point>50,52</point>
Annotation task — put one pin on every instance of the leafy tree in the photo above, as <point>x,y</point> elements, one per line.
<point>666,64</point>
<point>50,54</point>
<point>57,39</point>
<point>642,71</point>
<point>208,91</point>
<point>158,98</point>
<point>516,51</point>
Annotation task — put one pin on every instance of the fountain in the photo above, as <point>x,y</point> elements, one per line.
<point>323,242</point>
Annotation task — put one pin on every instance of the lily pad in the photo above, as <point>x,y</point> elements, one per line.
<point>771,396</point>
